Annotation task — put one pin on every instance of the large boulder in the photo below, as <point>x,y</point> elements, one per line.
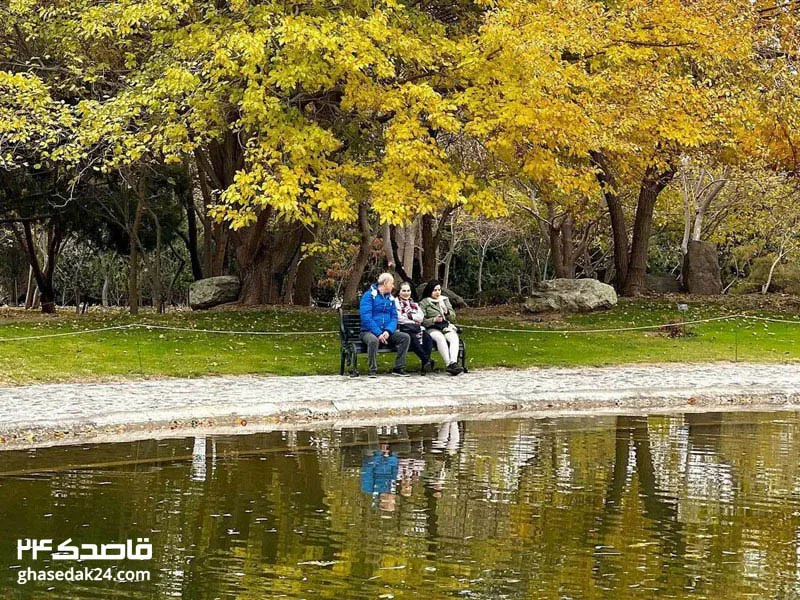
<point>571,295</point>
<point>213,291</point>
<point>701,269</point>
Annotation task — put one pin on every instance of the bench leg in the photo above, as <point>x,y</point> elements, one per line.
<point>341,363</point>
<point>353,362</point>
<point>464,359</point>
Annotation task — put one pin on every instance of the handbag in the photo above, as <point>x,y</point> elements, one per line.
<point>443,326</point>
<point>411,328</point>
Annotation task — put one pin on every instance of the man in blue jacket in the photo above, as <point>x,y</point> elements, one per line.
<point>379,325</point>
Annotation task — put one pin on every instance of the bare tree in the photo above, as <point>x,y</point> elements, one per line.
<point>488,234</point>
<point>699,186</point>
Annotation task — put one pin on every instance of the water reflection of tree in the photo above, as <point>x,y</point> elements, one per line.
<point>527,502</point>
<point>659,507</point>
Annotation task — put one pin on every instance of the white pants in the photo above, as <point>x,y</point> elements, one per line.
<point>442,341</point>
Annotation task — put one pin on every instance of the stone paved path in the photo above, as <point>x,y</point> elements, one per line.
<point>33,415</point>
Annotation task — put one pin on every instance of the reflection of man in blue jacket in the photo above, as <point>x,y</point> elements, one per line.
<point>379,324</point>
<point>379,476</point>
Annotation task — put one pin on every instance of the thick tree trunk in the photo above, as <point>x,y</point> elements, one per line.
<point>562,245</point>
<point>265,251</point>
<point>431,232</point>
<point>305,281</point>
<point>619,228</point>
<point>365,242</point>
<point>217,166</point>
<point>264,256</point>
<point>652,185</point>
<point>430,243</point>
<point>289,284</point>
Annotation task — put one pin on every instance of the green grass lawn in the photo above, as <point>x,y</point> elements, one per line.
<point>136,353</point>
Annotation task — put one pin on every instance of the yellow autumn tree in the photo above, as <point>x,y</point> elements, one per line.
<point>293,114</point>
<point>619,90</point>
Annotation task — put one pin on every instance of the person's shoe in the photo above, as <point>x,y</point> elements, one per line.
<point>400,372</point>
<point>428,367</point>
<point>373,374</point>
<point>454,369</point>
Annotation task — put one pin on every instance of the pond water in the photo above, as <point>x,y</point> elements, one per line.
<point>695,505</point>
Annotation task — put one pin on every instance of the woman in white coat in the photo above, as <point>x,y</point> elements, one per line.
<point>438,317</point>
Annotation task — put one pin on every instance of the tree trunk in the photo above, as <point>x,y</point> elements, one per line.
<point>365,242</point>
<point>104,293</point>
<point>430,242</point>
<point>481,260</point>
<point>619,227</point>
<point>191,226</point>
<point>770,275</point>
<point>158,296</point>
<point>133,234</point>
<point>289,282</point>
<point>406,239</point>
<point>305,275</point>
<point>652,185</point>
<point>388,250</point>
<point>43,276</point>
<point>208,225</point>
<point>30,288</point>
<point>217,166</point>
<point>562,246</point>
<point>264,256</point>
<point>398,264</point>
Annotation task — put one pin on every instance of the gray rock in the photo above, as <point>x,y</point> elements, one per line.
<point>571,295</point>
<point>662,284</point>
<point>701,269</point>
<point>213,291</point>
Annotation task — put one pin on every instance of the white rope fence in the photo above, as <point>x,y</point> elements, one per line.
<point>150,326</point>
<point>608,330</point>
<point>66,333</point>
<point>230,332</point>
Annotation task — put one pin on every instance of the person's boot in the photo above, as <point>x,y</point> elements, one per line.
<point>454,369</point>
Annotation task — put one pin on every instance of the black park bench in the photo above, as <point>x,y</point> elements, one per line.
<point>352,346</point>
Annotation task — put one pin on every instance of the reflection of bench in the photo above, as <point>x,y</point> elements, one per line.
<point>352,346</point>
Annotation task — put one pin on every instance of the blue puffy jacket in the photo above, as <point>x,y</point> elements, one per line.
<point>379,473</point>
<point>378,311</point>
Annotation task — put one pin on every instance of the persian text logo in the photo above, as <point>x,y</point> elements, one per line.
<point>29,575</point>
<point>142,549</point>
<point>35,549</point>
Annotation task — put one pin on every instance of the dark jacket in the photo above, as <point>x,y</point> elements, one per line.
<point>378,311</point>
